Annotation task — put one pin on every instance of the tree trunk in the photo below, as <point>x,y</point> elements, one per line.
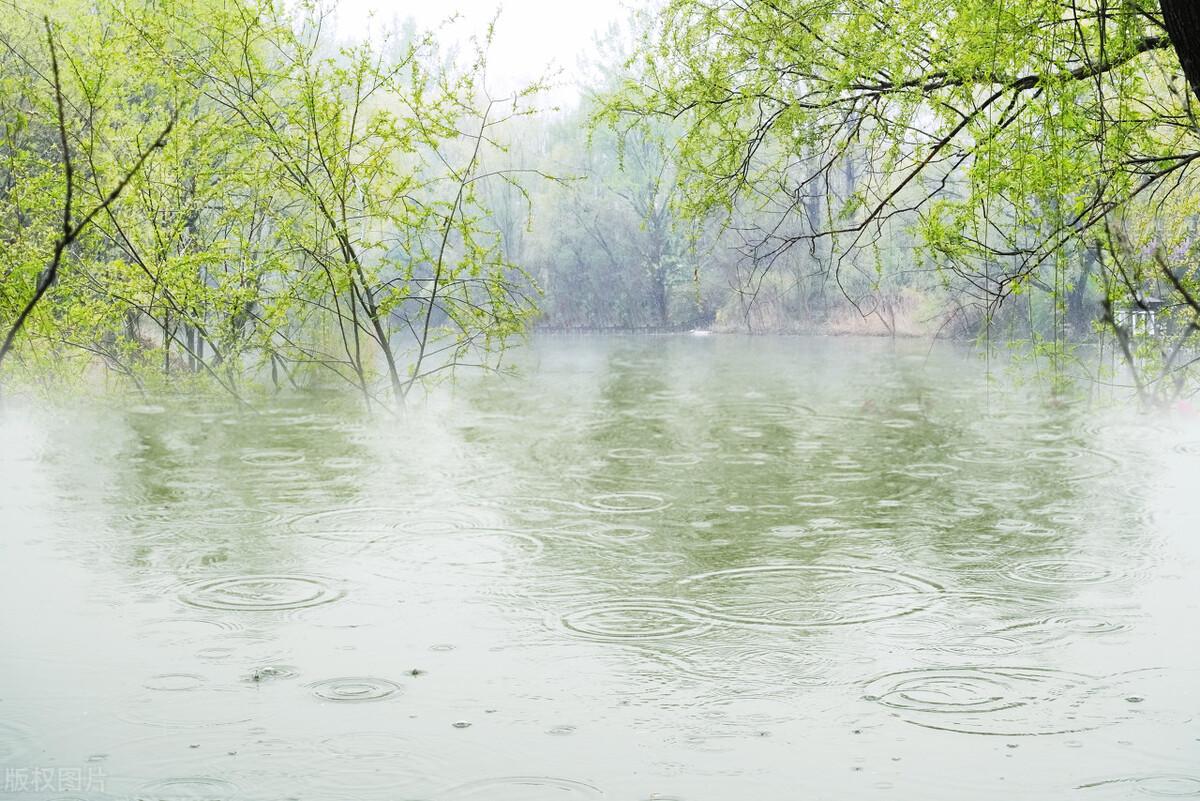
<point>1182,18</point>
<point>1079,315</point>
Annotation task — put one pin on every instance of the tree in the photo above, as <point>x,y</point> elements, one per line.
<point>74,221</point>
<point>321,210</point>
<point>1012,136</point>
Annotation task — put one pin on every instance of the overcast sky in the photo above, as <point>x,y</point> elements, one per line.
<point>531,35</point>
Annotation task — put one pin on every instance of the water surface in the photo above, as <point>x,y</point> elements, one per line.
<point>647,568</point>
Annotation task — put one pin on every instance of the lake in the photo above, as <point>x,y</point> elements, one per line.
<point>702,568</point>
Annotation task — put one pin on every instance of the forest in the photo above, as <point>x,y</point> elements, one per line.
<point>234,191</point>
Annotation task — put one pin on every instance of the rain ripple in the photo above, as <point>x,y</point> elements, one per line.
<point>355,689</point>
<point>274,457</point>
<point>804,596</point>
<point>1059,571</point>
<point>634,620</point>
<point>260,593</point>
<point>174,682</point>
<point>1162,785</point>
<point>1002,701</point>
<point>626,502</point>
<point>523,788</point>
<point>187,789</point>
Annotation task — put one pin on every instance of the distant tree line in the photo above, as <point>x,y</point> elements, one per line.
<point>219,190</point>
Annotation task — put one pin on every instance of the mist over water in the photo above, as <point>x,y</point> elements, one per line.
<point>645,568</point>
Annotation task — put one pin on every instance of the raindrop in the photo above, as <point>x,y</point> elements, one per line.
<point>271,673</point>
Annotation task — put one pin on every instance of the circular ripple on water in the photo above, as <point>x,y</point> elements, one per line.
<point>814,499</point>
<point>1008,701</point>
<point>634,620</point>
<point>370,765</point>
<point>224,517</point>
<point>1160,785</point>
<point>987,456</point>
<point>805,596</point>
<point>754,665</point>
<point>1061,571</point>
<point>196,788</point>
<point>368,745</point>
<point>679,460</point>
<point>260,593</point>
<point>350,518</point>
<point>147,409</point>
<point>175,631</point>
<point>476,553</point>
<point>351,523</point>
<point>273,457</point>
<point>1170,786</point>
<point>1091,463</point>
<point>631,454</point>
<point>927,470</point>
<point>626,502</point>
<point>173,682</point>
<point>752,409</point>
<point>597,533</point>
<point>522,788</point>
<point>980,645</point>
<point>439,520</point>
<point>1052,626</point>
<point>1060,454</point>
<point>196,709</point>
<point>1190,448</point>
<point>355,689</point>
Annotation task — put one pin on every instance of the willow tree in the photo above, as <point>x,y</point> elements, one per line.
<point>59,177</point>
<point>318,211</point>
<point>1014,136</point>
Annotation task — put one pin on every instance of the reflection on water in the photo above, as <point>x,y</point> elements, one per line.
<point>659,568</point>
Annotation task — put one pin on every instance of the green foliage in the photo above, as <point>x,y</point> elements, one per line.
<point>318,210</point>
<point>1012,137</point>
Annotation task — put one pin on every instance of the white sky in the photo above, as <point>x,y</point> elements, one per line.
<point>531,35</point>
